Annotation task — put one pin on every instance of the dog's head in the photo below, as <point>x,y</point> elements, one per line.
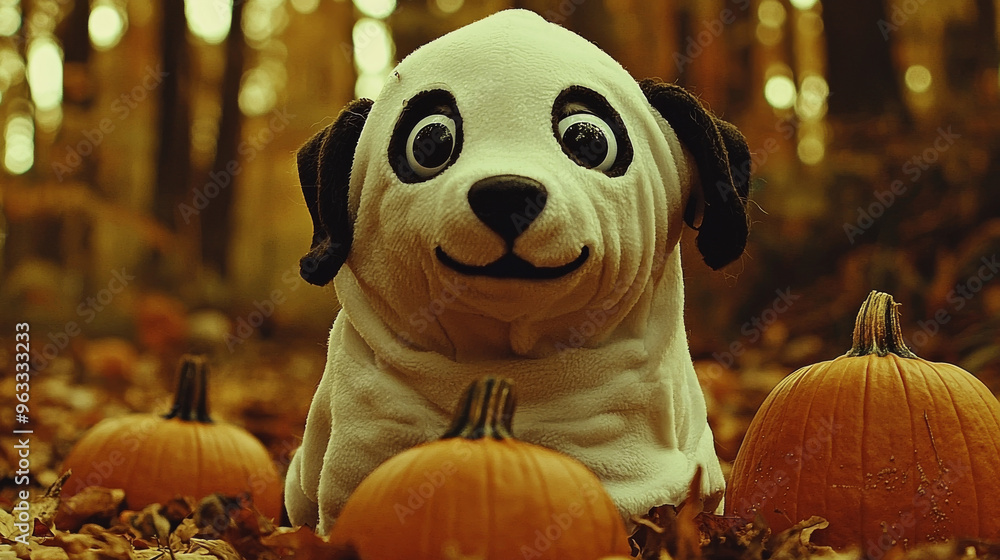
<point>517,169</point>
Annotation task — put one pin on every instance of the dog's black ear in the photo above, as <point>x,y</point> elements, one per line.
<point>325,174</point>
<point>722,158</point>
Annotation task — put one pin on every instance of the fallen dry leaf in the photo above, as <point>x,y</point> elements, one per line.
<point>794,542</point>
<point>299,543</point>
<point>149,523</point>
<point>182,535</point>
<point>688,538</point>
<point>94,504</point>
<point>50,553</point>
<point>220,549</point>
<point>44,508</point>
<point>7,522</point>
<point>671,530</point>
<point>302,543</point>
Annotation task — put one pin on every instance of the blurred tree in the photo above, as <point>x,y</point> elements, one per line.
<point>216,218</point>
<point>75,35</point>
<point>76,229</point>
<point>863,80</point>
<point>971,56</point>
<point>173,158</point>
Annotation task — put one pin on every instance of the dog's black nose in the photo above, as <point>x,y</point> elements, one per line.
<point>507,204</point>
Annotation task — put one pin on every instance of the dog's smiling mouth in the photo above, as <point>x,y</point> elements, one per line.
<point>513,266</point>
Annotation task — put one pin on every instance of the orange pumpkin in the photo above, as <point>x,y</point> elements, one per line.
<point>155,458</point>
<point>888,447</point>
<point>478,492</point>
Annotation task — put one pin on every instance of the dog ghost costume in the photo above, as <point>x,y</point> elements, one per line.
<point>511,204</point>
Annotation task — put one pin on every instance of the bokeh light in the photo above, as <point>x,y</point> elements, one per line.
<point>449,6</point>
<point>811,100</point>
<point>10,20</point>
<point>258,24</point>
<point>5,79</point>
<point>369,85</point>
<point>811,149</point>
<point>305,6</point>
<point>204,134</point>
<point>803,4</point>
<point>276,71</point>
<point>769,36</point>
<point>918,78</point>
<point>45,73</point>
<point>209,19</point>
<point>19,144</point>
<point>106,26</point>
<point>372,46</point>
<point>378,9</point>
<point>258,94</point>
<point>49,120</point>
<point>810,24</point>
<point>263,19</point>
<point>11,68</point>
<point>41,21</point>
<point>779,91</point>
<point>771,13</point>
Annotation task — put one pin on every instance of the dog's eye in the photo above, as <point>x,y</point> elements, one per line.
<point>427,137</point>
<point>591,132</point>
<point>430,145</point>
<point>589,139</point>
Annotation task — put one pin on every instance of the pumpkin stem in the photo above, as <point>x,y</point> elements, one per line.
<point>877,330</point>
<point>191,399</point>
<point>486,410</point>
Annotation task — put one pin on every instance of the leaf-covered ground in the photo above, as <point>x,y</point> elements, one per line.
<point>94,525</point>
<point>266,386</point>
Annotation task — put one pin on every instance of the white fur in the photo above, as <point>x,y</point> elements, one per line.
<point>599,357</point>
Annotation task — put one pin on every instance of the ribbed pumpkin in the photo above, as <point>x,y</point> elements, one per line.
<point>478,492</point>
<point>888,447</point>
<point>155,458</point>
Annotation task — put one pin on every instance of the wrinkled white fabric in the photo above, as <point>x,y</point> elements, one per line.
<point>599,357</point>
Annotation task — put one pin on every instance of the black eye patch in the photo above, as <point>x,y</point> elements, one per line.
<point>591,132</point>
<point>427,137</point>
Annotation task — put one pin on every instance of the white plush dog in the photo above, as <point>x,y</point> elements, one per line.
<point>511,204</point>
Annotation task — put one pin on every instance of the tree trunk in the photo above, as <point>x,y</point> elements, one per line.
<point>216,219</point>
<point>173,158</point>
<point>74,34</point>
<point>863,80</point>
